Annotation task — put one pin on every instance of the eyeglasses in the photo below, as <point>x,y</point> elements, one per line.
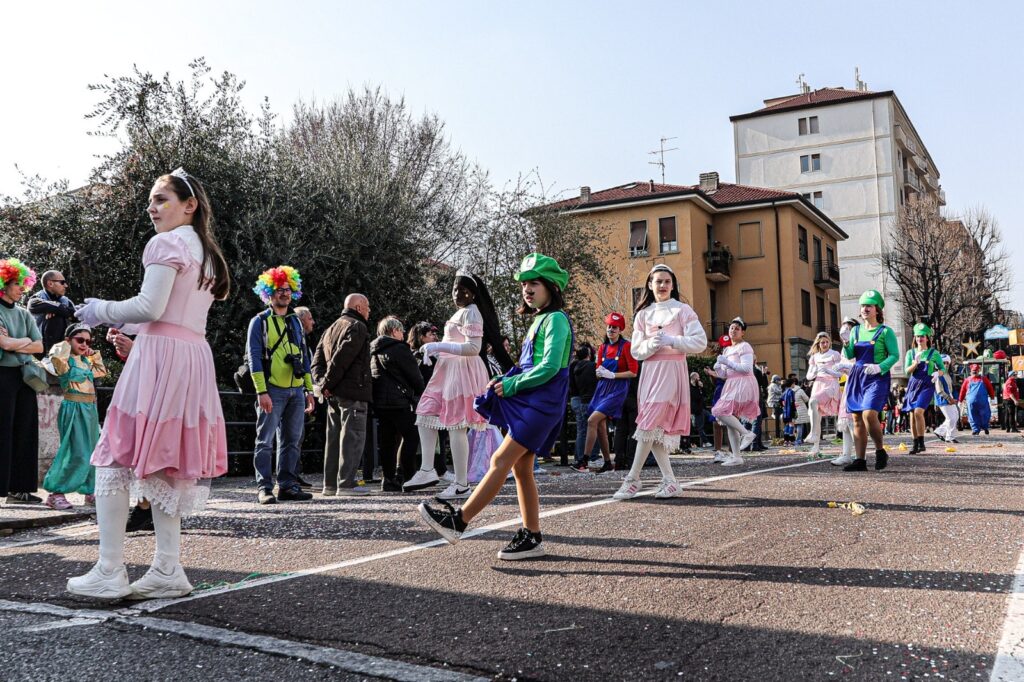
<point>82,340</point>
<point>59,281</point>
<point>282,291</point>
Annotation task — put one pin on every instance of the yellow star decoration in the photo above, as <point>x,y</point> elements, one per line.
<point>972,348</point>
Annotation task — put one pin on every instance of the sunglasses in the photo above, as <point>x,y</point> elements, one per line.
<point>82,340</point>
<point>59,281</point>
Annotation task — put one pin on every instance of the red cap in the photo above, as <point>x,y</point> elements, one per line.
<point>725,341</point>
<point>975,366</point>
<point>999,355</point>
<point>615,320</point>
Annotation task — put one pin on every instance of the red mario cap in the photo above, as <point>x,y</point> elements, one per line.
<point>725,341</point>
<point>975,366</point>
<point>615,320</point>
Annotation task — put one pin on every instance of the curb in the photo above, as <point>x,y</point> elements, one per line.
<point>9,525</point>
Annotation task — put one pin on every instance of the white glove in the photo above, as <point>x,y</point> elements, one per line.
<point>844,334</point>
<point>936,374</point>
<point>88,313</point>
<point>604,373</point>
<point>655,343</point>
<point>669,341</point>
<point>720,361</point>
<point>872,370</point>
<point>434,348</point>
<point>832,372</point>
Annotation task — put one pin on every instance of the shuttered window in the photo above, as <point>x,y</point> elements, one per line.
<point>667,235</point>
<point>638,238</point>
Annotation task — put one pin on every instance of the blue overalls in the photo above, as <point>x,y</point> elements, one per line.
<point>533,416</point>
<point>863,391</point>
<point>920,387</point>
<point>979,412</point>
<point>611,394</point>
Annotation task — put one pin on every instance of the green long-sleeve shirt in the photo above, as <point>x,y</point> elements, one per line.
<point>934,361</point>
<point>887,351</point>
<point>552,346</point>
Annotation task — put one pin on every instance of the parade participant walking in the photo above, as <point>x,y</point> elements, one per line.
<point>52,310</point>
<point>974,393</point>
<point>1011,394</point>
<point>844,418</point>
<point>19,411</point>
<point>279,363</point>
<point>740,397</point>
<point>163,435</point>
<point>873,346</point>
<point>665,330</point>
<point>946,403</point>
<point>77,364</point>
<point>530,402</point>
<point>420,335</point>
<point>922,363</point>
<point>825,392</point>
<point>615,367</point>
<point>718,433</point>
<point>460,376</point>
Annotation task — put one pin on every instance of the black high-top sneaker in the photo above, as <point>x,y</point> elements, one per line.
<point>920,445</point>
<point>525,545</point>
<point>856,465</point>
<point>447,522</point>
<point>881,459</point>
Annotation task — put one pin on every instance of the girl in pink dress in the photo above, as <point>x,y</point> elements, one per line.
<point>740,397</point>
<point>822,369</point>
<point>163,437</point>
<point>459,376</point>
<point>664,331</point>
<point>844,418</point>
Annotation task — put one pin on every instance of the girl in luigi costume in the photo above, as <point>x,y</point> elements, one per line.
<point>923,364</point>
<point>529,401</point>
<point>615,367</point>
<point>873,347</point>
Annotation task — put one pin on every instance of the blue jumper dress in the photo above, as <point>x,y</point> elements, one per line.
<point>611,394</point>
<point>864,391</point>
<point>920,387</point>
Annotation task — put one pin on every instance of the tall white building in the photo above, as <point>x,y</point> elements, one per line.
<point>856,156</point>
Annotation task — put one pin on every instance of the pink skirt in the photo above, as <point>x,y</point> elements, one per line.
<point>827,391</point>
<point>663,400</point>
<point>447,401</point>
<point>740,398</point>
<point>165,416</point>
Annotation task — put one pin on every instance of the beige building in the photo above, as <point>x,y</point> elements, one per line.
<point>766,255</point>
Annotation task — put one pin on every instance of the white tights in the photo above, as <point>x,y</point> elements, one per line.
<point>459,439</point>
<point>111,517</point>
<point>644,448</point>
<point>736,431</point>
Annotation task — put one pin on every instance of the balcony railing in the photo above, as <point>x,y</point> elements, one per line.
<point>826,274</point>
<point>942,197</point>
<point>718,259</point>
<point>910,178</point>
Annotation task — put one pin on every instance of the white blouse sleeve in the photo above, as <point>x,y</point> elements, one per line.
<point>694,338</point>
<point>150,302</point>
<point>640,345</point>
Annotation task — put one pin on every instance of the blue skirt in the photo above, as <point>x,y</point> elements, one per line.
<point>920,393</point>
<point>534,416</point>
<point>610,396</point>
<point>715,395</point>
<point>867,392</point>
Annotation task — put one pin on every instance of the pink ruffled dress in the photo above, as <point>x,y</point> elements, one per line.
<point>740,394</point>
<point>163,436</point>
<point>447,401</point>
<point>663,395</point>
<point>826,389</point>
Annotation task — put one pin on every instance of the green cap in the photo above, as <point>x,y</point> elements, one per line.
<point>872,297</point>
<point>921,329</point>
<point>538,266</point>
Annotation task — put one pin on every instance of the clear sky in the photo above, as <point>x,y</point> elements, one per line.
<point>580,91</point>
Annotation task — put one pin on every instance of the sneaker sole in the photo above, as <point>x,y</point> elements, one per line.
<point>733,464</point>
<point>665,496</point>
<point>447,533</point>
<point>105,593</point>
<point>625,496</point>
<point>457,496</point>
<point>534,553</point>
<point>165,593</point>
<point>420,486</point>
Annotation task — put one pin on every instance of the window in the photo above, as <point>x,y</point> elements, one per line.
<point>805,307</point>
<point>638,293</point>
<point>810,162</point>
<point>816,198</point>
<point>808,126</point>
<point>820,310</point>
<point>752,306</point>
<point>750,241</point>
<point>667,235</point>
<point>711,236</point>
<point>801,233</point>
<point>833,318</point>
<point>638,238</point>
<point>817,250</point>
<point>830,255</point>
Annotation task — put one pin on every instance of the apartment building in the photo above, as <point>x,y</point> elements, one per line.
<point>769,256</point>
<point>857,157</point>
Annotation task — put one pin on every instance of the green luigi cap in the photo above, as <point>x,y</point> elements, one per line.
<point>921,329</point>
<point>538,266</point>
<point>872,297</point>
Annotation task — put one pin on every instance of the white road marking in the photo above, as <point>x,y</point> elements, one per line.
<point>75,531</point>
<point>1009,663</point>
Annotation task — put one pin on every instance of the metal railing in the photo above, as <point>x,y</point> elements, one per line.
<point>717,263</point>
<point>826,274</point>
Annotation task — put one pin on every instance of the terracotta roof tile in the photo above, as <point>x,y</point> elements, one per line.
<point>727,194</point>
<point>814,98</point>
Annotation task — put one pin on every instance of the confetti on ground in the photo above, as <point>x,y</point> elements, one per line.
<point>902,447</point>
<point>855,508</point>
<point>950,449</point>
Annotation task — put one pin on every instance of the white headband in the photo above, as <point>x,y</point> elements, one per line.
<point>659,267</point>
<point>183,176</point>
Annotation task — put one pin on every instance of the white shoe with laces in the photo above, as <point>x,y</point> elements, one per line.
<point>157,584</point>
<point>628,489</point>
<point>748,438</point>
<point>732,461</point>
<point>424,478</point>
<point>842,460</point>
<point>719,457</point>
<point>449,476</point>
<point>667,489</point>
<point>454,492</point>
<point>812,439</point>
<point>112,584</point>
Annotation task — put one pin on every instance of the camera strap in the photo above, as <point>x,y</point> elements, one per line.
<point>281,336</point>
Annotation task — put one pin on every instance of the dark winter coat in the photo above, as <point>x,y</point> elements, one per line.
<point>341,363</point>
<point>52,317</point>
<point>582,379</point>
<point>397,382</point>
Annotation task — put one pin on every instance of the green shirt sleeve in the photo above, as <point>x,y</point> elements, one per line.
<point>937,363</point>
<point>908,359</point>
<point>549,346</point>
<point>887,353</point>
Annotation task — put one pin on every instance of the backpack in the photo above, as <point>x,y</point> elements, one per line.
<point>243,375</point>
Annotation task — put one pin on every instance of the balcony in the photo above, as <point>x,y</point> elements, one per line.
<point>910,178</point>
<point>942,197</point>
<point>905,140</point>
<point>826,274</point>
<point>718,259</point>
<point>717,330</point>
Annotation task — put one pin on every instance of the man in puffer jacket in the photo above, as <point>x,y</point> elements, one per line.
<point>397,385</point>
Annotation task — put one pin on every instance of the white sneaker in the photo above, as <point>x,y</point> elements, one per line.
<point>628,489</point>
<point>667,489</point>
<point>596,463</point>
<point>812,439</point>
<point>747,439</point>
<point>102,584</point>
<point>732,461</point>
<point>159,585</point>
<point>719,457</point>
<point>842,460</point>
<point>421,479</point>
<point>449,476</point>
<point>454,492</point>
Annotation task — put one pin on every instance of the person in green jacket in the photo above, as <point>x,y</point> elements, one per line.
<point>923,364</point>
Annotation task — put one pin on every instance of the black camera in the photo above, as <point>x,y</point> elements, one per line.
<point>298,366</point>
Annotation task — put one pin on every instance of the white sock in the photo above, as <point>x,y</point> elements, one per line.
<point>428,443</point>
<point>734,441</point>
<point>733,425</point>
<point>111,516</point>
<point>643,448</point>
<point>848,440</point>
<point>459,439</point>
<point>815,420</point>
<point>168,540</point>
<point>664,462</point>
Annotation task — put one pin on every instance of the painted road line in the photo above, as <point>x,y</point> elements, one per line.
<point>75,531</point>
<point>157,604</point>
<point>1009,663</point>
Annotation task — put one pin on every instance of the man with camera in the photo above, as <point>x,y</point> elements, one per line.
<point>275,351</point>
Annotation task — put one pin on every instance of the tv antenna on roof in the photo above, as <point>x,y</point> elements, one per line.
<point>661,156</point>
<point>802,84</point>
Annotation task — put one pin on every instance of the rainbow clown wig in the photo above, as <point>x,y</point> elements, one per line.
<point>278,278</point>
<point>13,271</point>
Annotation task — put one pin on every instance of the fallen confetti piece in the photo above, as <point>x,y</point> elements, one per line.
<point>902,447</point>
<point>855,508</point>
<point>950,449</point>
<point>789,452</point>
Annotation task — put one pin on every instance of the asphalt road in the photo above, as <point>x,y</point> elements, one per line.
<point>749,577</point>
